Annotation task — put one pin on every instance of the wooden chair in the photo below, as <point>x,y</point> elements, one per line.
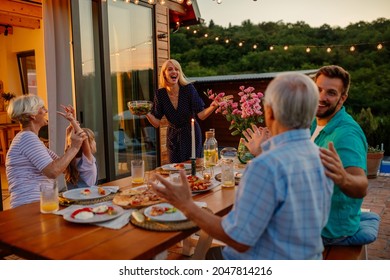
<point>3,143</point>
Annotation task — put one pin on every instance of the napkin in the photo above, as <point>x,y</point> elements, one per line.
<point>117,223</point>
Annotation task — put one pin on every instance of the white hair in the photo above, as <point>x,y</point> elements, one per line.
<point>293,98</point>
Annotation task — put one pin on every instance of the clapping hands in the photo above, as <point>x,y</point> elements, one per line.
<point>254,137</point>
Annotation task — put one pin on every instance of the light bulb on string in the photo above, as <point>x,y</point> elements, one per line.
<point>180,1</point>
<point>308,50</point>
<point>127,1</point>
<point>285,47</point>
<point>195,31</point>
<point>206,35</point>
<point>227,41</point>
<point>328,50</point>
<point>216,38</point>
<point>271,48</point>
<point>379,46</point>
<point>189,2</point>
<point>352,48</point>
<point>136,2</point>
<point>254,46</point>
<point>240,44</point>
<point>219,1</point>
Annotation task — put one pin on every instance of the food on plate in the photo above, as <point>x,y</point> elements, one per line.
<point>104,209</point>
<point>82,214</point>
<point>101,191</point>
<point>159,210</point>
<point>86,192</point>
<point>135,198</point>
<point>179,166</point>
<point>198,184</point>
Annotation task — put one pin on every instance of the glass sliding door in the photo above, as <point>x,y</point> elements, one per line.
<point>88,75</point>
<point>113,49</point>
<point>130,29</point>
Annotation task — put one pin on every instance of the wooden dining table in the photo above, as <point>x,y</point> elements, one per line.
<point>26,232</point>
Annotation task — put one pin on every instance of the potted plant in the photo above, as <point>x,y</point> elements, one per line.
<point>7,96</point>
<point>369,125</point>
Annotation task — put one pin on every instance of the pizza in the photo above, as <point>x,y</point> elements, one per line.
<point>137,198</point>
<point>198,184</point>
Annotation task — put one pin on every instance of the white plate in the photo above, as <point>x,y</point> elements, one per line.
<point>168,217</point>
<point>76,194</point>
<point>171,167</point>
<point>97,218</point>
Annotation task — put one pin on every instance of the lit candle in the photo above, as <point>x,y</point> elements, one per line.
<point>193,138</point>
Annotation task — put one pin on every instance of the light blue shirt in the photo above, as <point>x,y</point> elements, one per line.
<point>282,202</point>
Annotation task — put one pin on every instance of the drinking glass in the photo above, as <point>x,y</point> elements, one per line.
<point>137,171</point>
<point>227,172</point>
<point>49,197</point>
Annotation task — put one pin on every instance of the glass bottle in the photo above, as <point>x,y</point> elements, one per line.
<point>210,150</point>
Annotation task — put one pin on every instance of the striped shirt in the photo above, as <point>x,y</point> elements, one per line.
<point>26,158</point>
<point>282,202</point>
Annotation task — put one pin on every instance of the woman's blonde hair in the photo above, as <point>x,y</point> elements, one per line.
<point>182,78</point>
<point>72,174</point>
<point>23,107</point>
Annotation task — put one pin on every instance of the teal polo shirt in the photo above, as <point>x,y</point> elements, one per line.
<point>351,145</point>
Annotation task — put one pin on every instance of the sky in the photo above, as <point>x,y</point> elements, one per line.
<point>314,12</point>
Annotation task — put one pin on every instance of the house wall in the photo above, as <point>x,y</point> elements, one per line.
<point>163,53</point>
<point>22,40</point>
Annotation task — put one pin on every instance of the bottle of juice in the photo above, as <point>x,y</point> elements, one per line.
<point>210,149</point>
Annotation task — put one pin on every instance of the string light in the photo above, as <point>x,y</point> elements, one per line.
<point>151,1</point>
<point>195,31</point>
<point>219,1</point>
<point>136,2</point>
<point>180,1</point>
<point>189,2</point>
<point>307,49</point>
<point>162,2</point>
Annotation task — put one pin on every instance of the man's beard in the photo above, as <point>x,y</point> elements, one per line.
<point>331,110</point>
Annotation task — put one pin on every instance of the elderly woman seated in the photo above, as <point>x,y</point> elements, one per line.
<point>29,162</point>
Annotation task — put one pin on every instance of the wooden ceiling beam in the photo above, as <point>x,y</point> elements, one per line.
<point>8,19</point>
<point>21,9</point>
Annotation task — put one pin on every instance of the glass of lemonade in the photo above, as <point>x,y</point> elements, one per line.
<point>227,173</point>
<point>49,196</point>
<point>137,171</point>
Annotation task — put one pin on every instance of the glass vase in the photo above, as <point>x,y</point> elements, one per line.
<point>243,153</point>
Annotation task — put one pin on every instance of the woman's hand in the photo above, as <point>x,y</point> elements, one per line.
<point>254,137</point>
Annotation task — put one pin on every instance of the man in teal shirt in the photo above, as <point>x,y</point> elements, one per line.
<point>345,160</point>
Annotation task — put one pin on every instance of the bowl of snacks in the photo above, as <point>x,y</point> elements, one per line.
<point>140,107</point>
